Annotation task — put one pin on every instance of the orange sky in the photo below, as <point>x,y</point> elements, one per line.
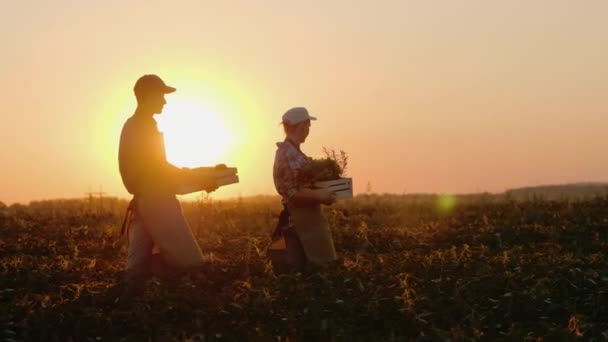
<point>425,96</point>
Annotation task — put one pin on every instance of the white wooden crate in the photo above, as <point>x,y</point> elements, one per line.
<point>342,187</point>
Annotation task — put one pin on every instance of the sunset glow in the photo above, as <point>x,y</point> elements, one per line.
<point>194,134</point>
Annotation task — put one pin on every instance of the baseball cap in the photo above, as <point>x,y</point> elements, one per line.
<point>296,115</point>
<point>151,83</point>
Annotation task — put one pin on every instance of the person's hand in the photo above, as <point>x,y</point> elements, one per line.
<point>207,181</point>
<point>211,186</point>
<point>328,197</point>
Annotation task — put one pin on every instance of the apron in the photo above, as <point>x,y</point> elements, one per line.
<point>163,220</point>
<point>312,229</point>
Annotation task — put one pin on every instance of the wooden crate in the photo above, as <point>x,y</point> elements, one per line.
<point>222,177</point>
<point>227,180</point>
<point>226,176</point>
<point>343,187</point>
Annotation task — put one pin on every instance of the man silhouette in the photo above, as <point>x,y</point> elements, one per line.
<point>155,223</point>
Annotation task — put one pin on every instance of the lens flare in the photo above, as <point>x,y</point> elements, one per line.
<point>446,203</point>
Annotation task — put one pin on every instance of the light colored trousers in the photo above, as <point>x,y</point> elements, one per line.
<point>159,226</point>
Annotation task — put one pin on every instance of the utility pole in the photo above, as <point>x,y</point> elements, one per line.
<point>90,199</point>
<point>100,194</point>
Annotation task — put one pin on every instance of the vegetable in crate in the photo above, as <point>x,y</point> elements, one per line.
<point>331,167</point>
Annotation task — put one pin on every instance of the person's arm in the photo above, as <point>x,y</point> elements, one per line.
<point>127,159</point>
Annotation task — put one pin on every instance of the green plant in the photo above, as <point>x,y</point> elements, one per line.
<point>333,166</point>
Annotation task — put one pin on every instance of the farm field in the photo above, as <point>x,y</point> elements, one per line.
<point>410,268</point>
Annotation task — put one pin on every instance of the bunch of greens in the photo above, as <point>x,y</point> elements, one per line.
<point>333,166</point>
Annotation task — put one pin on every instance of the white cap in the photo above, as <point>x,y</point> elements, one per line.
<point>296,115</point>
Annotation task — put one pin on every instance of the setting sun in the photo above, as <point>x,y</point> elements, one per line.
<point>195,134</point>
